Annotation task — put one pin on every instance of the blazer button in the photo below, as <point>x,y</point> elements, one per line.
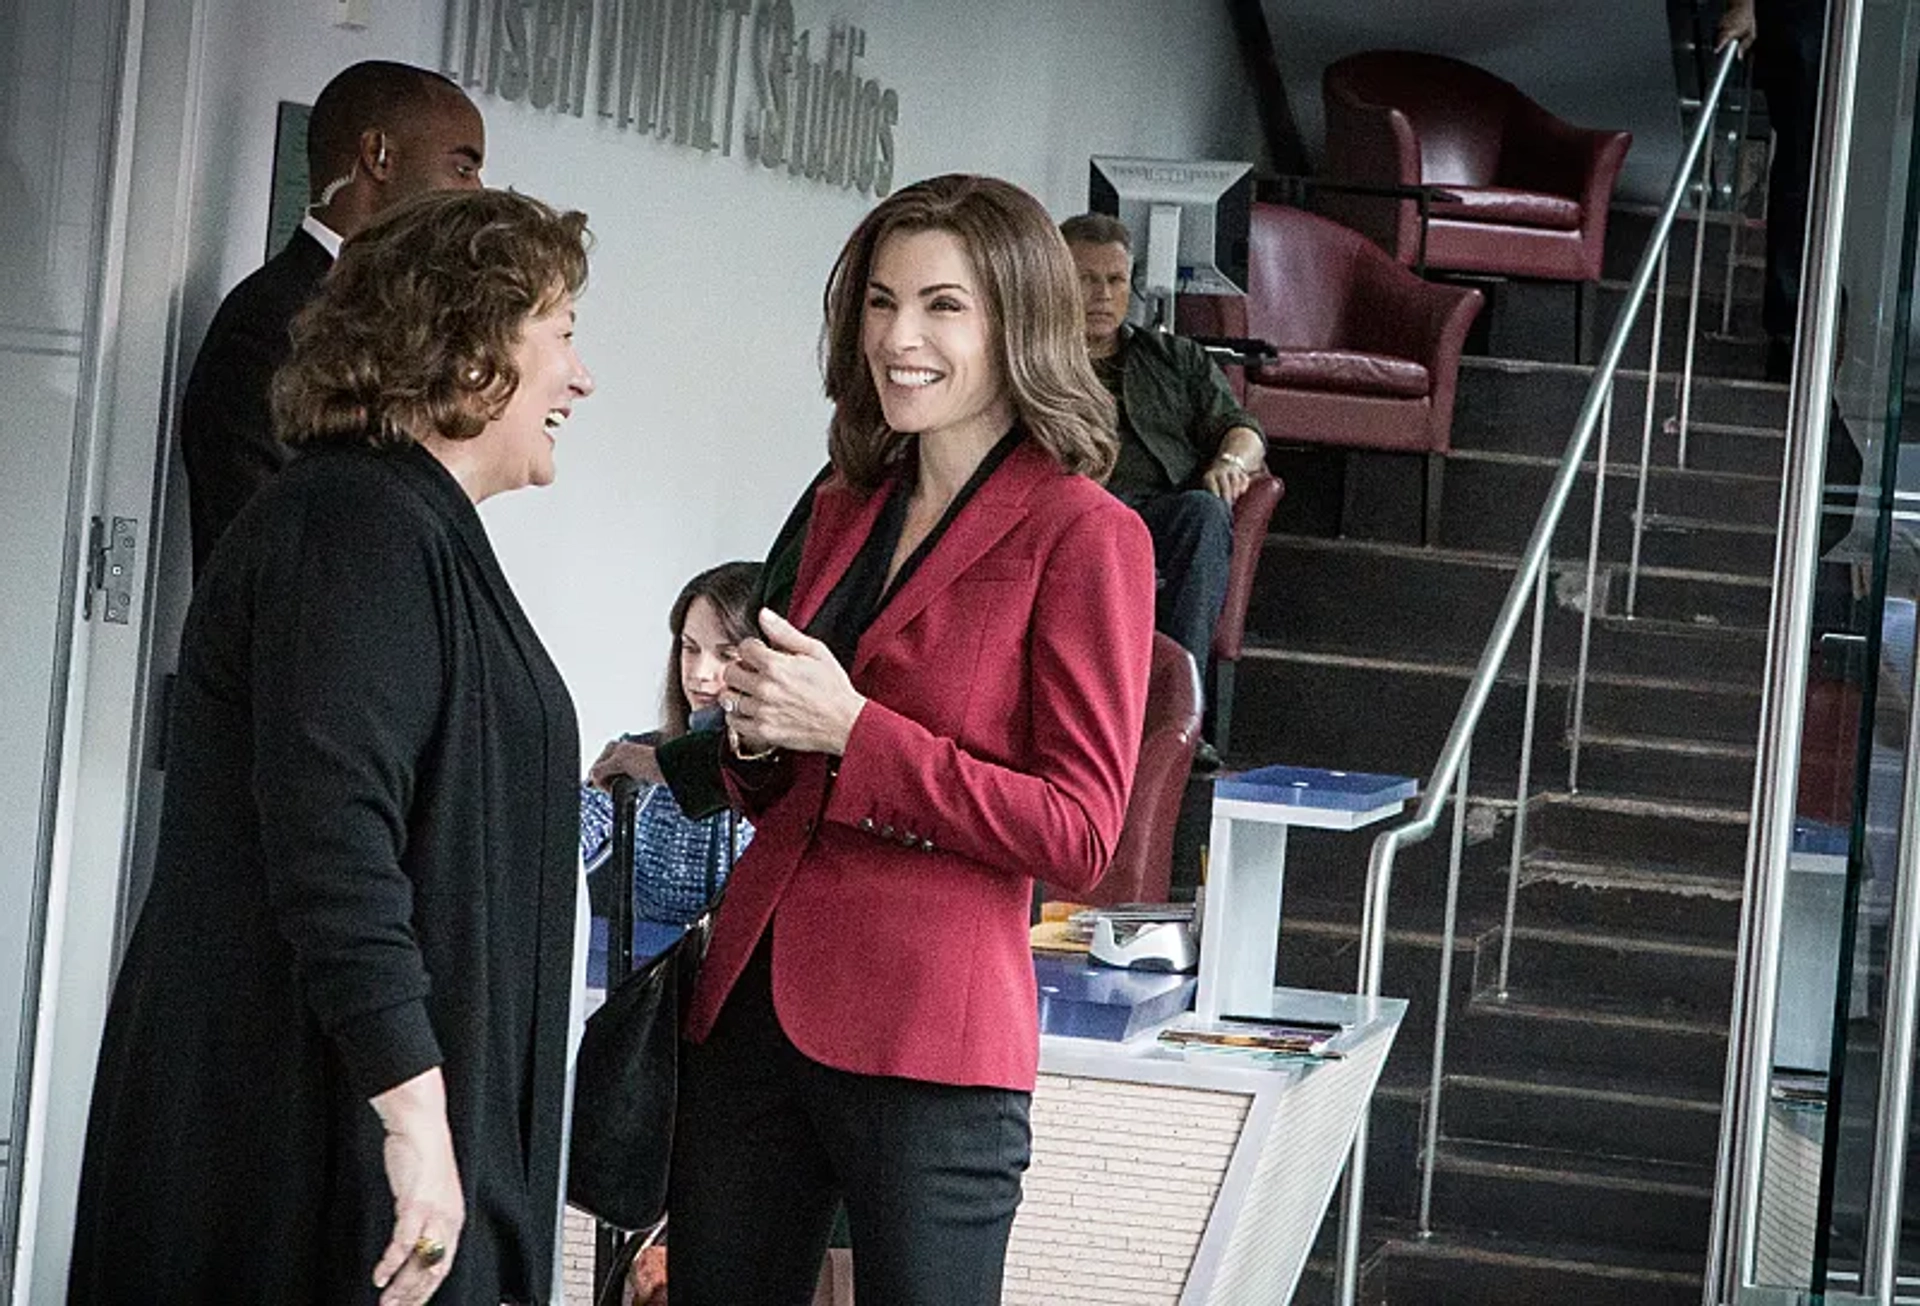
<point>808,827</point>
<point>886,832</point>
<point>926,845</point>
<point>866,823</point>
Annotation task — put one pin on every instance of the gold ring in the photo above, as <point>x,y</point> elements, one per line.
<point>429,1251</point>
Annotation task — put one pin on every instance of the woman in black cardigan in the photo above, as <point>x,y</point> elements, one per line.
<point>334,1065</point>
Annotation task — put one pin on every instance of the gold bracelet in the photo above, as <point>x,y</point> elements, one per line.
<point>733,743</point>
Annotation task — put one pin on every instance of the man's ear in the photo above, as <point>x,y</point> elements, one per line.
<point>375,157</point>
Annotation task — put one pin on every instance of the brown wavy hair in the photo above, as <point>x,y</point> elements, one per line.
<point>414,329</point>
<point>1032,295</point>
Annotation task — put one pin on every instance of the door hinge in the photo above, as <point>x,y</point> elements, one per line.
<point>110,569</point>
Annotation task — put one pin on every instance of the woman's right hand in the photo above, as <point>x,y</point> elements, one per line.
<point>429,1208</point>
<point>624,757</point>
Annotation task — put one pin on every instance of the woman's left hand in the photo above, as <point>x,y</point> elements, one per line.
<point>788,691</point>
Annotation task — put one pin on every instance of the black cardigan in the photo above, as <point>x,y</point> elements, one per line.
<point>367,867</point>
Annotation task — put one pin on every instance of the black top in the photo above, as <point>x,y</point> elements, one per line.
<point>862,594</point>
<point>367,865</point>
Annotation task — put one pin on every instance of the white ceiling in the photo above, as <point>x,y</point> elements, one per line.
<point>1596,63</point>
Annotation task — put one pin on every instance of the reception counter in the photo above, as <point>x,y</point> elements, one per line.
<point>1164,1175</point>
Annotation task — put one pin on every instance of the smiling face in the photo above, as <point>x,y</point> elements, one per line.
<point>1106,285</point>
<point>705,650</point>
<point>516,448</point>
<point>929,341</point>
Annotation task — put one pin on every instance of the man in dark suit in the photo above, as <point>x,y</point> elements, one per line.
<point>379,133</point>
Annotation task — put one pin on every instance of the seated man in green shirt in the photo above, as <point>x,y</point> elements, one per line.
<point>1187,447</point>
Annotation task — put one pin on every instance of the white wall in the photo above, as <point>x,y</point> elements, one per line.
<point>702,315</point>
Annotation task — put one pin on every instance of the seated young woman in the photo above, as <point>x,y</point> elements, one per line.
<point>680,863</point>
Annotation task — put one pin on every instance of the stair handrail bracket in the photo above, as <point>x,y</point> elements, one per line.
<point>1528,586</point>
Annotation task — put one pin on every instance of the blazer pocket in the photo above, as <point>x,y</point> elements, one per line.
<point>999,569</point>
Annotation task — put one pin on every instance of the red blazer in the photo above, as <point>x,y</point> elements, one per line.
<point>1007,685</point>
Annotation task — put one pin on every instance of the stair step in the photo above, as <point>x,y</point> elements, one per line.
<point>1651,646</point>
<point>1519,1035</point>
<point>1535,321</point>
<point>1363,596</point>
<point>1590,1115</point>
<point>1531,407</point>
<point>1578,893</point>
<point>1490,1270</point>
<point>1387,714</point>
<point>1705,709</point>
<point>1702,598</point>
<point>1541,1194</point>
<point>1659,767</point>
<point>1684,836</point>
<point>1653,975</point>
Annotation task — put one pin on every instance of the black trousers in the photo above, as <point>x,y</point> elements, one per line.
<point>768,1143</point>
<point>1787,47</point>
<point>1192,552</point>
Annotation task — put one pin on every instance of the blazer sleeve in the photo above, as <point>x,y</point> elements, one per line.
<point>1057,814</point>
<point>348,678</point>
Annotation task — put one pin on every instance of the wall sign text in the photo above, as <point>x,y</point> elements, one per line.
<point>703,74</point>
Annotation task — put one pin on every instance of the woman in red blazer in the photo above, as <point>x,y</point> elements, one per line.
<point>960,717</point>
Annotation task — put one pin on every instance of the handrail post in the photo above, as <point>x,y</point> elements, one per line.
<point>1453,753</point>
<point>1646,431</point>
<point>1586,607</point>
<point>1526,779</point>
<point>1693,294</point>
<point>1449,919</point>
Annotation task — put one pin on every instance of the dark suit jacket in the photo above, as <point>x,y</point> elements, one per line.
<point>1007,685</point>
<point>226,423</point>
<point>367,866</point>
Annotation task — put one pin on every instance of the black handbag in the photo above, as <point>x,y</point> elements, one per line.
<point>626,1076</point>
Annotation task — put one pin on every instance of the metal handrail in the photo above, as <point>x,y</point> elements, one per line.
<point>1528,584</point>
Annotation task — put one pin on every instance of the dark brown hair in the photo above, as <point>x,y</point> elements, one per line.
<point>1096,229</point>
<point>730,587</point>
<point>1032,297</point>
<point>413,331</point>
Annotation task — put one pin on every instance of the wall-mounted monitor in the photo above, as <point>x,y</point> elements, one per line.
<point>1188,218</point>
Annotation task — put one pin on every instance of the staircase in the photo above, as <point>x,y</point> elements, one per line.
<point>1581,1104</point>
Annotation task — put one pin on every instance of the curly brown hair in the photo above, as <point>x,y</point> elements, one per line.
<point>1032,294</point>
<point>414,329</point>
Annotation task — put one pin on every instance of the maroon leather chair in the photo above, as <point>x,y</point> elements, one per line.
<point>1142,869</point>
<point>1526,194</point>
<point>1252,512</point>
<point>1369,354</point>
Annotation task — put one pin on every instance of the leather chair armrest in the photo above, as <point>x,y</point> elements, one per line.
<point>1373,143</point>
<point>1549,154</point>
<point>1252,512</point>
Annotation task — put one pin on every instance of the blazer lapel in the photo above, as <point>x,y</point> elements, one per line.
<point>996,508</point>
<point>841,521</point>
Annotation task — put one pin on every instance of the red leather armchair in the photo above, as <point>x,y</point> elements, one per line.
<point>1142,869</point>
<point>1369,354</point>
<point>1526,194</point>
<point>1252,512</point>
